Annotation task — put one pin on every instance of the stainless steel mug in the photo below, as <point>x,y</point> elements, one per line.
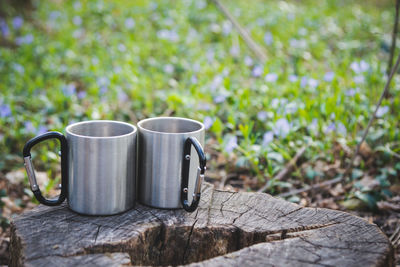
<point>168,170</point>
<point>98,173</point>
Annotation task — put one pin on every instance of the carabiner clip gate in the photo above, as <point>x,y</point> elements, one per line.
<point>185,174</point>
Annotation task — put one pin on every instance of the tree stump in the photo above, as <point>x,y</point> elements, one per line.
<point>228,229</point>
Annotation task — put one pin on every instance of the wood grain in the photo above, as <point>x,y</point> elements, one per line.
<point>238,229</point>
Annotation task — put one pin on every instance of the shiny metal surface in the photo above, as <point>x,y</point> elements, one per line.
<point>102,160</point>
<point>160,154</point>
<point>197,185</point>
<point>30,171</point>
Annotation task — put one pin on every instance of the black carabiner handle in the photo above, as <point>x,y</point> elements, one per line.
<point>185,174</point>
<point>31,172</point>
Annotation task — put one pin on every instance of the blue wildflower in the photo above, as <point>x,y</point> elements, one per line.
<point>17,22</point>
<point>268,38</point>
<point>257,71</point>
<point>54,15</point>
<point>382,111</point>
<point>226,27</point>
<point>77,20</point>
<point>122,96</point>
<point>359,79</point>
<point>77,5</point>
<point>81,94</point>
<point>275,102</point>
<point>364,66</point>
<point>95,60</point>
<point>302,31</point>
<point>248,61</point>
<point>262,115</point>
<point>303,81</point>
<point>5,31</point>
<point>351,92</point>
<point>328,77</point>
<point>313,127</point>
<point>170,35</point>
<point>103,81</point>
<point>271,77</point>
<point>331,128</point>
<point>268,137</point>
<point>290,108</point>
<point>193,79</point>
<point>341,129</point>
<point>219,99</point>
<point>231,144</point>
<point>293,78</point>
<point>203,106</point>
<point>27,39</point>
<point>41,130</point>
<point>208,122</point>
<point>210,55</point>
<point>295,43</point>
<point>103,90</point>
<point>169,68</point>
<point>201,4</point>
<point>234,51</point>
<point>69,89</point>
<point>313,83</point>
<point>196,67</point>
<point>282,128</point>
<point>121,47</point>
<point>217,81</point>
<point>129,23</point>
<point>29,127</point>
<point>18,68</point>
<point>359,67</point>
<point>261,22</point>
<point>5,111</point>
<point>291,16</point>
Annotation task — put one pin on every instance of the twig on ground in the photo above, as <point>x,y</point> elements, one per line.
<point>394,37</point>
<point>312,187</point>
<point>350,166</point>
<point>289,168</point>
<point>371,120</point>
<point>243,33</point>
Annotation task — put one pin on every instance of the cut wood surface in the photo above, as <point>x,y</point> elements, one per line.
<point>228,229</point>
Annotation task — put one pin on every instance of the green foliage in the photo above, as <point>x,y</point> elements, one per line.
<point>129,60</point>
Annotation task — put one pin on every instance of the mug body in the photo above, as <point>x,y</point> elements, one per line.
<point>101,167</point>
<point>160,156</point>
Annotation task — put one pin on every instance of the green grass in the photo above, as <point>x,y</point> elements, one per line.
<point>88,60</point>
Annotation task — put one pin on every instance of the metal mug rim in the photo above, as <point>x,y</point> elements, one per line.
<point>133,129</point>
<point>139,125</point>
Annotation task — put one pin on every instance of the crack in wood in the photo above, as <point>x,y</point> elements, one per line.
<point>226,200</point>
<point>188,242</point>
<point>288,213</point>
<point>240,229</point>
<point>241,214</point>
<point>97,233</point>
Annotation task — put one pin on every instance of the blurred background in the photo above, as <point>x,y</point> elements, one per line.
<point>325,68</point>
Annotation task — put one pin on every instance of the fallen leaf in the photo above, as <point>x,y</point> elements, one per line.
<point>388,206</point>
<point>337,190</point>
<point>354,204</point>
<point>365,150</point>
<point>16,177</point>
<point>368,182</point>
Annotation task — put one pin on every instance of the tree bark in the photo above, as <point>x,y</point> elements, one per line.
<point>228,229</point>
